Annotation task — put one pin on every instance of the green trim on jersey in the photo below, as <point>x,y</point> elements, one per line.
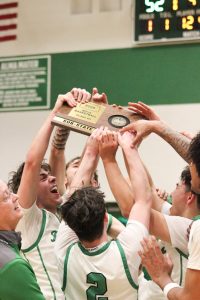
<point>181,271</point>
<point>181,264</point>
<point>93,253</point>
<point>86,252</point>
<point>65,267</point>
<point>126,268</point>
<point>35,244</point>
<point>49,279</point>
<point>196,218</point>
<point>110,220</point>
<point>169,199</point>
<point>181,253</point>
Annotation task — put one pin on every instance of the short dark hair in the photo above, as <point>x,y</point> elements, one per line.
<point>15,176</point>
<point>84,213</point>
<point>194,152</point>
<point>186,178</point>
<point>71,161</point>
<point>96,176</point>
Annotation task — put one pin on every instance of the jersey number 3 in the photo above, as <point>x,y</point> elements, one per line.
<point>99,287</point>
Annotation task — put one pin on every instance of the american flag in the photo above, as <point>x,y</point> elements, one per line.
<point>8,20</point>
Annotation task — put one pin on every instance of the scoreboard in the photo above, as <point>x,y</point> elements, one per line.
<point>166,20</point>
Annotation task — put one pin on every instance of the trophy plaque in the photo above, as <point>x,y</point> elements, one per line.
<point>84,118</point>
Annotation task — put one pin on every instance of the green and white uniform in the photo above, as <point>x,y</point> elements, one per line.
<point>109,271</point>
<point>178,228</point>
<point>194,247</point>
<point>148,289</point>
<point>17,279</point>
<point>39,229</point>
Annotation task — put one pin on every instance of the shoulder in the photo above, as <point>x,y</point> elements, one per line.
<point>6,255</point>
<point>195,232</point>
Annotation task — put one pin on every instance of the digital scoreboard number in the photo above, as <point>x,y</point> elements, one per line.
<point>167,20</point>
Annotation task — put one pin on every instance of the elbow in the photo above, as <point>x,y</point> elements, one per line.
<point>125,213</point>
<point>30,162</point>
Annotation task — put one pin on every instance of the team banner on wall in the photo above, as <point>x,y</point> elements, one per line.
<point>25,83</point>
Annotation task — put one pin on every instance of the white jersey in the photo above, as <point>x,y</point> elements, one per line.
<point>194,247</point>
<point>178,230</point>
<point>148,289</point>
<point>39,228</point>
<point>108,272</point>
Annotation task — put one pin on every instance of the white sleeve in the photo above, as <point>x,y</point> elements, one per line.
<point>194,247</point>
<point>130,239</point>
<point>178,227</point>
<point>166,208</point>
<point>30,225</point>
<point>65,237</point>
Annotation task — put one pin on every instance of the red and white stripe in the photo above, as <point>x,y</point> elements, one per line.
<point>8,20</point>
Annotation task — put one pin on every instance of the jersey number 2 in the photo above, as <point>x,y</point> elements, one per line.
<point>98,289</point>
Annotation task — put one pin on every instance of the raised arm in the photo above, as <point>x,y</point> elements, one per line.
<point>30,177</point>
<point>140,211</point>
<point>178,141</point>
<point>119,186</point>
<point>88,162</point>
<point>57,155</point>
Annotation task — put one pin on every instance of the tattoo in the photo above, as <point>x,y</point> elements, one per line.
<point>60,138</point>
<point>178,141</point>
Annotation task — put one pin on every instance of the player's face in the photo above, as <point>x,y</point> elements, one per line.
<point>195,182</point>
<point>179,199</point>
<point>48,196</point>
<point>10,212</point>
<point>71,171</point>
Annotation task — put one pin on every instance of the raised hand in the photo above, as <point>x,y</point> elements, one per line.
<point>99,98</point>
<point>108,144</point>
<point>143,109</point>
<point>159,266</point>
<point>126,139</point>
<point>141,128</point>
<point>93,140</point>
<point>81,95</point>
<point>162,194</point>
<point>67,98</point>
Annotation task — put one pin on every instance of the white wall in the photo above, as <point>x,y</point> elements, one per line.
<point>49,26</point>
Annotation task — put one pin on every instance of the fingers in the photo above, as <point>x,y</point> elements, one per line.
<point>81,95</point>
<point>129,127</point>
<point>94,91</point>
<point>109,138</point>
<point>97,132</point>
<point>143,109</point>
<point>162,194</point>
<point>139,107</point>
<point>104,98</point>
<point>100,98</point>
<point>66,98</point>
<point>117,106</point>
<point>97,97</point>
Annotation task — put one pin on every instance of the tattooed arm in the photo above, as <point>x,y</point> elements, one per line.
<point>143,128</point>
<point>179,142</point>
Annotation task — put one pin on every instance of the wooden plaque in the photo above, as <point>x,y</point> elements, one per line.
<point>84,118</point>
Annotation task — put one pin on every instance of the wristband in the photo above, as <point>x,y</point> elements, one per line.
<point>169,287</point>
